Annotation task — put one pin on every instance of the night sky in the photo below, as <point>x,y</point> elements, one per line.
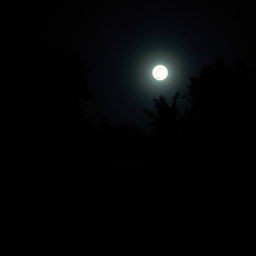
<point>75,181</point>
<point>133,37</point>
<point>121,42</point>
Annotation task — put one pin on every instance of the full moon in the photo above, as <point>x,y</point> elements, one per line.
<point>160,72</point>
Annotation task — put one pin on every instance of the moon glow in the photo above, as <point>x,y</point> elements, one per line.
<point>160,72</point>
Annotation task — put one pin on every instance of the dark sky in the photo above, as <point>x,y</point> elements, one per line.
<point>121,43</point>
<point>128,40</point>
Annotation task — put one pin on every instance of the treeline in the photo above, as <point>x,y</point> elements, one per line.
<point>44,106</point>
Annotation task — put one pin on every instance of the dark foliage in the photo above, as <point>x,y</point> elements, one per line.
<point>44,92</point>
<point>102,187</point>
<point>164,121</point>
<point>214,123</point>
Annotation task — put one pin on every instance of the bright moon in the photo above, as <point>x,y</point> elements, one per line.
<point>160,72</point>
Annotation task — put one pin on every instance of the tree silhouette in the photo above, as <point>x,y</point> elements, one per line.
<point>164,119</point>
<point>214,120</point>
<point>216,108</point>
<point>45,94</point>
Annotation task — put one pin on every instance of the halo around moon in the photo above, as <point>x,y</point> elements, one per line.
<point>160,72</point>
